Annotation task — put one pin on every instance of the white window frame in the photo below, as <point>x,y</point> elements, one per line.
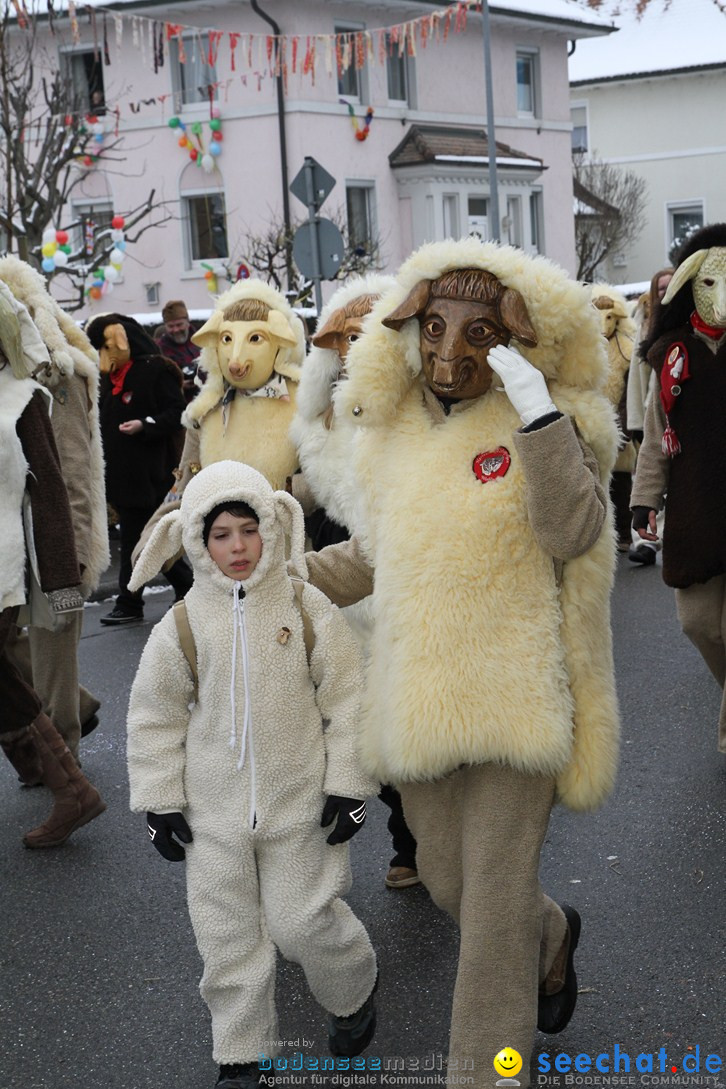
<point>583,105</point>
<point>408,65</point>
<point>536,222</point>
<point>530,54</point>
<point>85,209</point>
<point>193,42</point>
<point>450,215</point>
<point>190,261</point>
<point>69,59</point>
<point>361,76</point>
<point>680,206</point>
<point>369,186</point>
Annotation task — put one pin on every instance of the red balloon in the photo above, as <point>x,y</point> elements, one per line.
<point>61,237</point>
<point>218,136</point>
<point>193,154</point>
<point>117,223</point>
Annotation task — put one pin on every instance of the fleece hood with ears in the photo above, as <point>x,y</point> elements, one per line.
<point>280,517</point>
<point>252,753</point>
<point>325,452</point>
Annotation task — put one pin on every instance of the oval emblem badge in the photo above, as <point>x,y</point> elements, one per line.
<point>491,464</point>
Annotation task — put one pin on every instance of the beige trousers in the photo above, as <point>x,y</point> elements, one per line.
<point>48,662</point>
<point>479,833</point>
<point>702,615</point>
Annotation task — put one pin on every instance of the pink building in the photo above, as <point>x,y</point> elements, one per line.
<point>420,175</point>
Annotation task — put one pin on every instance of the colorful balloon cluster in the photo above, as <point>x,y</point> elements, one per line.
<point>189,134</point>
<point>55,250</point>
<point>105,277</point>
<point>97,128</point>
<point>211,277</point>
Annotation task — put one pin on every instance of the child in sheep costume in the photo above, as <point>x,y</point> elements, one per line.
<point>682,460</point>
<point>490,693</point>
<point>48,659</point>
<point>250,771</point>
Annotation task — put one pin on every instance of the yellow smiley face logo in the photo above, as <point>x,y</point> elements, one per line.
<point>508,1062</point>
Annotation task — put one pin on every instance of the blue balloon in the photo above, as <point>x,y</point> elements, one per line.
<point>47,264</point>
<point>215,149</point>
<point>120,245</point>
<point>99,137</point>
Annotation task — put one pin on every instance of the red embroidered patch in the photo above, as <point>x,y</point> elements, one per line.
<point>491,464</point>
<point>126,397</point>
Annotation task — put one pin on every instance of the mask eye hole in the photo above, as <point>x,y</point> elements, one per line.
<point>226,338</point>
<point>434,328</point>
<point>708,282</point>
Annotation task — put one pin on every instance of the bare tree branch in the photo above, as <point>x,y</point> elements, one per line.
<point>609,211</point>
<point>46,136</point>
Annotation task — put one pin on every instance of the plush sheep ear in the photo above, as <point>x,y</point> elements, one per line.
<point>207,335</point>
<point>413,305</point>
<point>280,328</point>
<point>290,516</point>
<point>164,542</point>
<point>683,273</point>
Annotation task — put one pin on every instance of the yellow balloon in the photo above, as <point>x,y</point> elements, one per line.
<point>49,249</point>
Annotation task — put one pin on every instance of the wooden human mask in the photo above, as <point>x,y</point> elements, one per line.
<point>462,315</point>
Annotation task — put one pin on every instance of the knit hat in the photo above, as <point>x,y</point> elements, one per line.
<point>174,310</point>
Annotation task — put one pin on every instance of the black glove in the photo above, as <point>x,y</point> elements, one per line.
<point>351,814</point>
<point>161,828</point>
<point>640,518</point>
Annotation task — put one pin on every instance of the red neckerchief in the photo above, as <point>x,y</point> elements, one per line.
<point>117,377</point>
<point>700,326</point>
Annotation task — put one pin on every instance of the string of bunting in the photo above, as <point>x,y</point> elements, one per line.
<point>263,54</point>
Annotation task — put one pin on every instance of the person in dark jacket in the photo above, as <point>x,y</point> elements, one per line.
<point>176,344</point>
<point>141,407</point>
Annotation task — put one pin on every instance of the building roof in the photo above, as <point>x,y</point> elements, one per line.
<point>672,36</point>
<point>456,145</point>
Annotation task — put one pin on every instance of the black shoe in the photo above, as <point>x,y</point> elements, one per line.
<point>90,724</point>
<point>238,1076</point>
<point>348,1036</point>
<point>641,554</point>
<point>120,616</point>
<point>554,1011</point>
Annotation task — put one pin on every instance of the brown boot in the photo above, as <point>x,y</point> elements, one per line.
<point>19,747</point>
<point>76,801</point>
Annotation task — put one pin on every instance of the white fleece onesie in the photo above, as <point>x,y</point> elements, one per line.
<point>250,766</point>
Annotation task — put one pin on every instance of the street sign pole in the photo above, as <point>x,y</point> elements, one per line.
<point>309,167</point>
<point>494,227</point>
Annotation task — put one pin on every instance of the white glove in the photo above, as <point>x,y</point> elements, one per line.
<point>523,384</point>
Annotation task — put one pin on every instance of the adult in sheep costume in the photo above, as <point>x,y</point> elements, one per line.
<point>48,659</point>
<point>619,331</point>
<point>253,347</point>
<point>250,765</point>
<point>683,455</point>
<point>326,486</point>
<point>490,693</point>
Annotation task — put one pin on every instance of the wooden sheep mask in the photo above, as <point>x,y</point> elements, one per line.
<point>706,269</point>
<point>247,336</point>
<point>344,326</point>
<point>461,315</point>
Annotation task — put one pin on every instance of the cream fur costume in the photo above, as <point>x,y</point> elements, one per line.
<point>494,593</point>
<point>326,454</point>
<point>256,428</point>
<point>251,773</point>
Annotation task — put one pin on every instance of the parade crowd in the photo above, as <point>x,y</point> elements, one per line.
<point>392,544</point>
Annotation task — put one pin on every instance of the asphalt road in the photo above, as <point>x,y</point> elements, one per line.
<point>98,967</point>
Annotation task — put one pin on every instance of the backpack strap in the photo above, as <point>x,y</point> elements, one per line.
<point>186,641</point>
<point>308,633</point>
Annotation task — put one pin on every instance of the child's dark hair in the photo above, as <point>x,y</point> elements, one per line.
<point>231,506</point>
